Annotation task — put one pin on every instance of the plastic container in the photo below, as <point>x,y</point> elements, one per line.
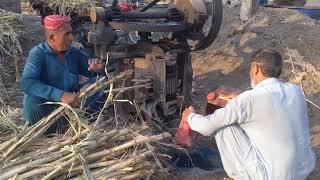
<point>219,98</point>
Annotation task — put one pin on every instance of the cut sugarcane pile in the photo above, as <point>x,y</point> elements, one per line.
<point>11,29</point>
<point>123,154</point>
<point>65,7</point>
<point>84,151</point>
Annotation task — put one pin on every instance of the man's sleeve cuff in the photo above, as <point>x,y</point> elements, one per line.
<point>190,118</point>
<point>56,94</point>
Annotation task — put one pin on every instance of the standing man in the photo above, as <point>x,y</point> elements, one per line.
<point>52,70</point>
<point>262,133</point>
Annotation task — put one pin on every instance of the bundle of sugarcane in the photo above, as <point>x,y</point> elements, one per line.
<point>65,7</point>
<point>123,154</point>
<point>88,151</point>
<point>11,28</point>
<point>10,122</point>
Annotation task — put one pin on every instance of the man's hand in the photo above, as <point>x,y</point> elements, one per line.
<point>187,112</point>
<point>70,99</point>
<point>96,65</point>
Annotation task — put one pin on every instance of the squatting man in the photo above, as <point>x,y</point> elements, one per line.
<point>263,133</point>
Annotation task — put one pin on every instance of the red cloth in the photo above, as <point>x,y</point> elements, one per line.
<point>55,21</point>
<point>184,134</point>
<point>126,7</point>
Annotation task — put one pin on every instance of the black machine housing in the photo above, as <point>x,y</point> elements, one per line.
<point>155,40</point>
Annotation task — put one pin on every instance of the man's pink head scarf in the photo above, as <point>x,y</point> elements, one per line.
<point>55,21</point>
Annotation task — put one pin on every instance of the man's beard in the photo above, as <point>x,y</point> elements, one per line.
<point>253,83</point>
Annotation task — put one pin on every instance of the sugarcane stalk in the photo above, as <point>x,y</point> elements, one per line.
<point>28,141</point>
<point>136,141</point>
<point>25,140</point>
<point>46,152</point>
<point>5,145</point>
<point>17,74</point>
<point>124,134</point>
<point>31,158</point>
<point>123,138</point>
<point>98,165</point>
<point>138,166</point>
<point>70,156</point>
<point>107,176</point>
<point>79,168</point>
<point>23,168</point>
<point>65,158</point>
<point>138,174</point>
<point>35,172</point>
<point>52,118</point>
<point>108,136</point>
<point>143,155</point>
<point>69,141</point>
<point>58,168</point>
<point>124,163</point>
<point>65,155</point>
<point>103,83</point>
<point>47,168</point>
<point>93,86</point>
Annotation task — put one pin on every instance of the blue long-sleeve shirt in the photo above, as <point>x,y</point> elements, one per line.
<point>45,78</point>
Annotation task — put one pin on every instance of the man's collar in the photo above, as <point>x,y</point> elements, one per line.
<point>267,82</point>
<point>47,47</point>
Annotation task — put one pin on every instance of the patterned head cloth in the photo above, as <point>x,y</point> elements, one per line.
<point>55,21</point>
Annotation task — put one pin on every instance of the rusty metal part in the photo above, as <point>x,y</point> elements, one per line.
<point>204,18</point>
<point>148,6</point>
<point>145,15</point>
<point>172,14</point>
<point>162,70</point>
<point>215,12</point>
<point>96,14</point>
<point>119,55</point>
<point>171,26</point>
<point>170,107</point>
<point>100,14</point>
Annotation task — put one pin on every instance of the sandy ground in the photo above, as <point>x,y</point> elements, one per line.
<point>226,62</point>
